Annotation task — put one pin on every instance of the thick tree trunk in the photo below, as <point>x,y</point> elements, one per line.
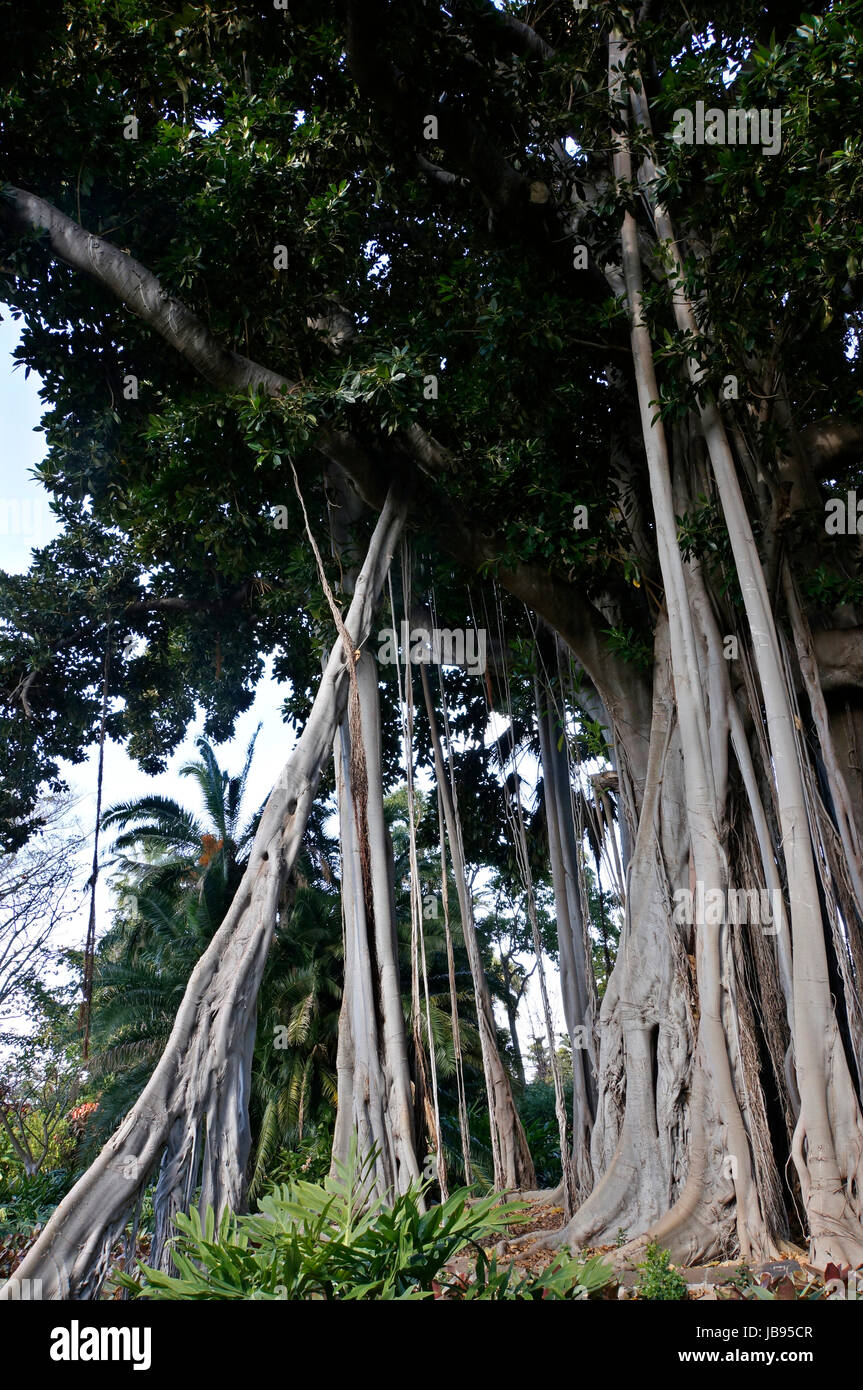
<point>647,1030</point>
<point>201,1083</point>
<point>828,1145</point>
<point>375,1101</point>
<point>701,1175</point>
<point>723,1140</point>
<point>374,1097</point>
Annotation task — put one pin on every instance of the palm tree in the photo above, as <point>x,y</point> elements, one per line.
<point>294,1083</point>
<point>177,849</point>
<point>176,877</point>
<point>176,874</point>
<point>142,967</point>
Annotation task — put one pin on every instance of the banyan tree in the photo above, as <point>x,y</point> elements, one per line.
<point>471,319</point>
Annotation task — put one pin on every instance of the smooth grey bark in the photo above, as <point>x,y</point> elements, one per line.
<point>195,1105</point>
<point>828,1143</point>
<point>700,1206</point>
<point>721,1174</point>
<point>709,860</point>
<point>374,1098</point>
<point>374,1079</point>
<point>140,290</point>
<point>463,1121</point>
<point>427,1093</point>
<point>647,1030</point>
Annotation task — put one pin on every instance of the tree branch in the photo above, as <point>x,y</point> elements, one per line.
<point>832,441</point>
<point>22,691</point>
<point>141,291</point>
<point>518,203</point>
<point>518,35</point>
<point>193,605</point>
<point>839,652</point>
<point>467,145</point>
<point>441,176</point>
<point>580,625</point>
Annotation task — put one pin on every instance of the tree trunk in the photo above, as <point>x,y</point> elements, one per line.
<point>374,1098</point>
<point>694,1219</point>
<point>201,1082</point>
<point>828,1144</point>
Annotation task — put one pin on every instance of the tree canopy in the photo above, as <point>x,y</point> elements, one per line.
<point>360,315</point>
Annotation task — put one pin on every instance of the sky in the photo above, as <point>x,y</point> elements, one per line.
<point>27,522</point>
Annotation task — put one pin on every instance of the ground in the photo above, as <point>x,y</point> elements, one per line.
<point>789,1277</point>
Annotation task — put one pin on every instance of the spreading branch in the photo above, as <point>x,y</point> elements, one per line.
<point>832,442</point>
<point>415,453</point>
<point>171,604</point>
<point>141,291</point>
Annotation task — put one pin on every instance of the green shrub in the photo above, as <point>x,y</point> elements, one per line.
<point>537,1113</point>
<point>333,1241</point>
<point>565,1278</point>
<point>658,1280</point>
<point>25,1205</point>
<point>329,1240</point>
<point>308,1161</point>
<point>26,1202</point>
